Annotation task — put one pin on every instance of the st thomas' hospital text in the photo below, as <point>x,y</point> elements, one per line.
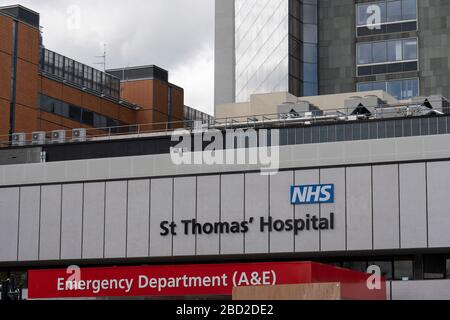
<point>266,224</point>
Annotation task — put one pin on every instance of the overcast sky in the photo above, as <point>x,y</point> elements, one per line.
<point>177,35</point>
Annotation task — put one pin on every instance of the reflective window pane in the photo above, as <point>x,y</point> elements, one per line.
<point>410,49</point>
<point>364,53</point>
<point>394,11</point>
<point>394,88</point>
<point>409,9</point>
<point>379,52</point>
<point>395,50</point>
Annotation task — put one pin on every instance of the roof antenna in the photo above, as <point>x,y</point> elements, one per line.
<point>103,57</point>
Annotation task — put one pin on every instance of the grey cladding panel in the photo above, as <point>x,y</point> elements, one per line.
<point>94,220</point>
<point>50,229</point>
<point>359,208</point>
<point>29,223</point>
<point>413,209</point>
<point>116,219</point>
<point>256,206</point>
<point>161,210</point>
<point>138,218</point>
<point>72,221</point>
<point>281,209</point>
<point>208,211</point>
<point>386,215</point>
<point>185,190</point>
<point>9,223</point>
<point>232,210</point>
<point>307,241</point>
<point>334,240</point>
<point>439,204</point>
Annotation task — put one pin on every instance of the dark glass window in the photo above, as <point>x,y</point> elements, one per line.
<point>74,113</point>
<point>390,129</point>
<point>360,266</point>
<point>415,127</point>
<point>87,118</point>
<point>407,127</point>
<point>315,134</point>
<point>332,134</point>
<point>434,267</point>
<point>387,268</point>
<point>442,125</point>
<point>299,135</point>
<point>373,130</point>
<point>424,127</point>
<point>403,270</point>
<point>433,124</point>
<point>307,135</point>
<point>340,132</point>
<point>324,134</point>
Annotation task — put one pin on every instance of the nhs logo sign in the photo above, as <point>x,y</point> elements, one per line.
<point>312,194</point>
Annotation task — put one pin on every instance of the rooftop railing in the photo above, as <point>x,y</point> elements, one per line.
<point>278,120</point>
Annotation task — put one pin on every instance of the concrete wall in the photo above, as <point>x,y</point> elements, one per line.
<point>337,61</point>
<point>434,43</point>
<point>420,290</point>
<point>224,73</point>
<point>377,207</point>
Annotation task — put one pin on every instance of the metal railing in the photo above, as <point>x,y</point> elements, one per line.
<point>277,120</point>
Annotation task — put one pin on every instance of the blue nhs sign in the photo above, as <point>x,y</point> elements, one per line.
<point>312,194</point>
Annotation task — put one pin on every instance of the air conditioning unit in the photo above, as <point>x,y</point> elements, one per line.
<point>38,138</point>
<point>79,135</point>
<point>18,139</point>
<point>58,136</point>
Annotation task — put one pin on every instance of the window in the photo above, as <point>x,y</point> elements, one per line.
<point>394,11</point>
<point>74,113</point>
<point>434,267</point>
<point>410,49</point>
<point>387,51</point>
<point>400,89</point>
<point>390,11</point>
<point>365,53</point>
<point>87,118</point>
<point>409,9</point>
<point>379,52</point>
<point>403,270</point>
<point>310,53</point>
<point>387,268</point>
<point>395,50</point>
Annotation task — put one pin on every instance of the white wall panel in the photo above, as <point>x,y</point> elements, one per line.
<point>29,223</point>
<point>116,219</point>
<point>208,211</point>
<point>281,208</point>
<point>232,209</point>
<point>94,220</point>
<point>335,240</point>
<point>72,221</point>
<point>439,204</point>
<point>185,199</point>
<point>307,241</point>
<point>413,209</point>
<point>9,223</point>
<point>50,234</point>
<point>256,206</point>
<point>161,210</point>
<point>386,211</point>
<point>138,218</point>
<point>359,208</point>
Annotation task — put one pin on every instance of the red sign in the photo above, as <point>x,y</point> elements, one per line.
<point>178,280</point>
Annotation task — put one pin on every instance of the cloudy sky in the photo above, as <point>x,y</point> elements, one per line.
<point>177,35</point>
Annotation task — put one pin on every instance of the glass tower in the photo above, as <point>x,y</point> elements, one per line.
<point>276,47</point>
